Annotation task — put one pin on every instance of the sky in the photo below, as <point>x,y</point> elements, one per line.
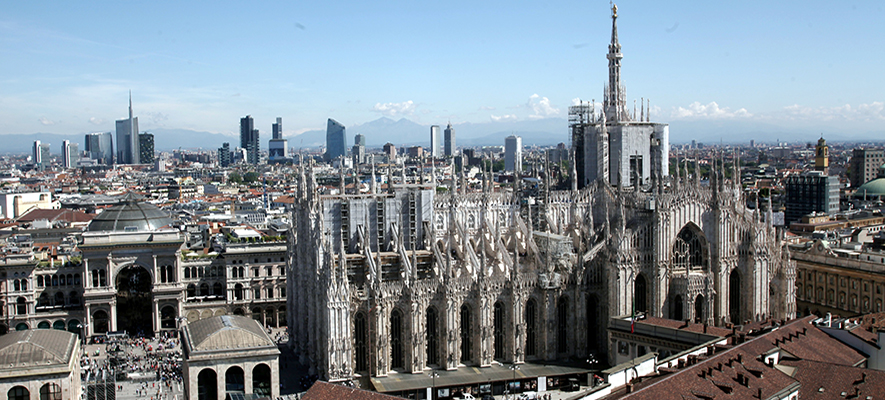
<point>68,67</point>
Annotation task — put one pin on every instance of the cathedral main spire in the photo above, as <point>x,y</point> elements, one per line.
<point>615,96</point>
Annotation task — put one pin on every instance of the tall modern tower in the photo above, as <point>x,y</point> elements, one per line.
<point>70,154</point>
<point>450,140</point>
<point>225,158</point>
<point>513,153</point>
<point>336,141</point>
<point>100,147</point>
<point>278,148</point>
<point>146,148</point>
<point>435,142</point>
<point>127,138</point>
<point>278,129</point>
<point>38,155</point>
<point>249,139</point>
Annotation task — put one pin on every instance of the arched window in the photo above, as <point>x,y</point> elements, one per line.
<point>21,306</point>
<point>689,250</point>
<point>592,323</point>
<point>269,292</point>
<point>74,299</point>
<point>100,322</point>
<point>465,334</point>
<point>498,325</point>
<point>59,299</point>
<point>256,293</point>
<point>397,359</point>
<point>234,380</point>
<point>77,279</point>
<point>531,317</point>
<point>562,325</point>
<point>18,393</point>
<point>167,317</point>
<point>734,296</point>
<point>191,290</point>
<point>16,285</point>
<point>24,283</point>
<point>361,336</point>
<point>261,380</point>
<point>43,300</point>
<point>640,293</point>
<point>217,290</point>
<point>187,273</point>
<point>70,280</point>
<point>699,309</point>
<point>238,292</point>
<point>207,388</point>
<point>102,278</point>
<point>55,280</point>
<point>677,308</point>
<point>94,278</point>
<point>204,289</point>
<point>170,273</point>
<point>432,350</point>
<point>39,280</point>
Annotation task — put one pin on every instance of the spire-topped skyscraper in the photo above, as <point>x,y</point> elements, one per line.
<point>617,146</point>
<point>127,138</point>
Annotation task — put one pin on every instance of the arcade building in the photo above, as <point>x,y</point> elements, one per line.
<point>133,277</point>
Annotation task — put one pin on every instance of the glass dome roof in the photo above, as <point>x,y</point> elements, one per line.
<point>130,215</point>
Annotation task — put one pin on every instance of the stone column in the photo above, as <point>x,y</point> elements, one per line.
<point>451,337</point>
<point>156,317</point>
<point>113,315</point>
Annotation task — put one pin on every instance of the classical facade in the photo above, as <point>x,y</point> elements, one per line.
<point>133,277</point>
<point>409,280</point>
<point>229,355</point>
<point>839,281</point>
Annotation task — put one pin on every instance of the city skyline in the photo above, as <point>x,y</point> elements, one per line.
<point>768,65</point>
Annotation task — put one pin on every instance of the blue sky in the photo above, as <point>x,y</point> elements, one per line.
<point>67,67</point>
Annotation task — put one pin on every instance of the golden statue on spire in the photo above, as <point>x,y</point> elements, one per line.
<point>614,10</point>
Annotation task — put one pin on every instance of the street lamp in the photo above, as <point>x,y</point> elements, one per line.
<point>514,368</point>
<point>82,328</point>
<point>433,375</point>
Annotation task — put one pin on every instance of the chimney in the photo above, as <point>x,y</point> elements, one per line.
<point>741,379</point>
<point>759,391</point>
<point>629,387</point>
<point>740,358</point>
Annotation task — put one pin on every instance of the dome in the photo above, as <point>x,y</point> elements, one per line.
<point>226,332</point>
<point>130,215</point>
<point>871,189</point>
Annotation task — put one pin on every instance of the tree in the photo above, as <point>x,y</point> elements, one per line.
<point>235,178</point>
<point>251,177</point>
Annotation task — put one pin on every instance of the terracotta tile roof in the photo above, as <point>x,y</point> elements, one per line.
<point>328,391</point>
<point>740,372</point>
<point>685,326</point>
<point>56,215</point>
<point>821,380</point>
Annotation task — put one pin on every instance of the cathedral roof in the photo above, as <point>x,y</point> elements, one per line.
<point>226,332</point>
<point>130,214</point>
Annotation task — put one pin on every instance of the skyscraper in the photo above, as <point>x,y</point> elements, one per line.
<point>359,140</point>
<point>225,158</point>
<point>450,140</point>
<point>38,156</point>
<point>336,141</point>
<point>278,129</point>
<point>100,147</point>
<point>435,142</point>
<point>249,139</point>
<point>146,148</point>
<point>390,151</point>
<point>513,153</point>
<point>70,154</point>
<point>127,138</point>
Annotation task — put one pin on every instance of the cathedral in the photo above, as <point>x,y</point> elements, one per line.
<point>408,280</point>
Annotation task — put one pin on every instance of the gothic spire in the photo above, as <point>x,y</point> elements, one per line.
<point>615,98</point>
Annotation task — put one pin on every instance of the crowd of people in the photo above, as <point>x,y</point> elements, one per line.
<point>140,367</point>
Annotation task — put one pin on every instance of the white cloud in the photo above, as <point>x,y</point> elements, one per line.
<point>711,110</point>
<point>95,121</point>
<point>874,111</point>
<point>46,121</point>
<point>395,109</point>
<point>541,107</point>
<point>486,108</point>
<point>508,117</point>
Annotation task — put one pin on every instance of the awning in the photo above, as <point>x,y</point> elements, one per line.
<point>464,376</point>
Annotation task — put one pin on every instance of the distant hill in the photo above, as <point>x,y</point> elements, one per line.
<point>404,132</point>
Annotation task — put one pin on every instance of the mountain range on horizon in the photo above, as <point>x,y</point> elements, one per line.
<point>405,132</point>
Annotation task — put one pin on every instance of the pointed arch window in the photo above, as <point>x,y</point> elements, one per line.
<point>531,316</point>
<point>432,337</point>
<point>690,250</point>
<point>361,331</point>
<point>465,334</point>
<point>498,325</point>
<point>562,325</point>
<point>396,340</point>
